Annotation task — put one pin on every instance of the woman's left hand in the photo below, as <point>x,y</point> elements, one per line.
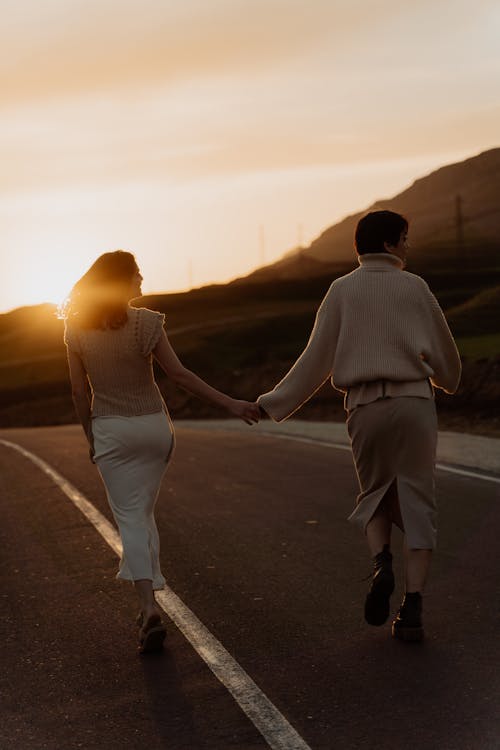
<point>245,410</point>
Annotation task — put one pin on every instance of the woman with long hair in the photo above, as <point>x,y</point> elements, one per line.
<point>110,346</point>
<point>382,338</point>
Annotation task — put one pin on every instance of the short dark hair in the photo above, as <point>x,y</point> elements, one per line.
<point>376,228</point>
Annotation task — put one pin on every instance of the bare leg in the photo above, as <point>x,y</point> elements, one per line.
<point>378,530</point>
<point>151,628</point>
<point>417,563</point>
<point>378,534</point>
<point>149,607</point>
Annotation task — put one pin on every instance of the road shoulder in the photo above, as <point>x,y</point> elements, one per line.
<point>457,449</point>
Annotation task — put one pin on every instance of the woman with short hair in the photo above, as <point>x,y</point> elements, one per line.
<point>382,338</point>
<point>110,346</point>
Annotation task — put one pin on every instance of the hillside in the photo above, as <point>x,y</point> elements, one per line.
<point>479,314</point>
<point>243,337</point>
<point>242,340</point>
<point>454,215</point>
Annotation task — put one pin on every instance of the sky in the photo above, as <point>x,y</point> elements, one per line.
<point>210,136</point>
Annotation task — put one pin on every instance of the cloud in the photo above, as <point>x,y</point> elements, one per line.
<point>101,92</point>
<point>199,134</point>
<point>60,47</point>
<point>66,47</point>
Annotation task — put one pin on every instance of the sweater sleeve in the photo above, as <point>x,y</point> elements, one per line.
<point>311,370</point>
<point>442,354</point>
<point>149,330</point>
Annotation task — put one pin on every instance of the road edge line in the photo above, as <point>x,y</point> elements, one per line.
<point>343,447</point>
<point>268,720</point>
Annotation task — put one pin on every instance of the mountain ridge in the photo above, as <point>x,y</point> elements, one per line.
<point>244,337</point>
<point>452,210</point>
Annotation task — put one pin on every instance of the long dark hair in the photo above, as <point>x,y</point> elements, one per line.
<point>100,298</point>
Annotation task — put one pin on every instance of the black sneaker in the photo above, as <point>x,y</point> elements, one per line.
<point>408,623</point>
<point>377,604</point>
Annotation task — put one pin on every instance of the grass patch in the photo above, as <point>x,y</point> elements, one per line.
<point>479,347</point>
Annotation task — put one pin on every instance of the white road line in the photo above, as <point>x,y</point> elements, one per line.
<point>467,473</point>
<point>276,730</point>
<point>343,447</point>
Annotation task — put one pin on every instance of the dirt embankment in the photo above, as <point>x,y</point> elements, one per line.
<point>473,409</point>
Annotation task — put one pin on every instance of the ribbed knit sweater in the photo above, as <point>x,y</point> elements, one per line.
<point>119,364</point>
<point>379,332</point>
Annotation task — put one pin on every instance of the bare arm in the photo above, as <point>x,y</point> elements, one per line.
<point>173,367</point>
<point>80,394</point>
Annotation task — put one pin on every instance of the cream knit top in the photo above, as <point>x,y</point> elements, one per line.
<point>379,333</point>
<point>119,364</point>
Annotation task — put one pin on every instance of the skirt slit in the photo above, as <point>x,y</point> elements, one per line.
<point>394,445</point>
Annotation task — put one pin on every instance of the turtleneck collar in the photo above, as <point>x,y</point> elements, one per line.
<point>380,262</point>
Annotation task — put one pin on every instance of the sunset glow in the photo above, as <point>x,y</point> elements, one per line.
<point>206,137</point>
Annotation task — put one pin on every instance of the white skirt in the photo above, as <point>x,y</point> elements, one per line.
<point>132,454</point>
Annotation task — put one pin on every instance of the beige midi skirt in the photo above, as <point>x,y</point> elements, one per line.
<point>394,447</point>
<point>131,454</point>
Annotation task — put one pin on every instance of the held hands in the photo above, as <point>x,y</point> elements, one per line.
<point>245,410</point>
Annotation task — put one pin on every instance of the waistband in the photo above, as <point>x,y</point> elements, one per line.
<point>365,393</point>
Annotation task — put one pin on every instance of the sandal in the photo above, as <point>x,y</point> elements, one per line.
<point>152,635</point>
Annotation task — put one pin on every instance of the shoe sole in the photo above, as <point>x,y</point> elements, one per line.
<point>413,635</point>
<point>377,602</point>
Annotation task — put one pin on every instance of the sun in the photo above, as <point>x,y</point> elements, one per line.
<point>44,277</point>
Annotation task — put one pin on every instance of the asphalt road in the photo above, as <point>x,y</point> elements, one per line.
<point>255,543</point>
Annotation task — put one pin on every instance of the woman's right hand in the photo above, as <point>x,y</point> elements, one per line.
<point>246,410</point>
